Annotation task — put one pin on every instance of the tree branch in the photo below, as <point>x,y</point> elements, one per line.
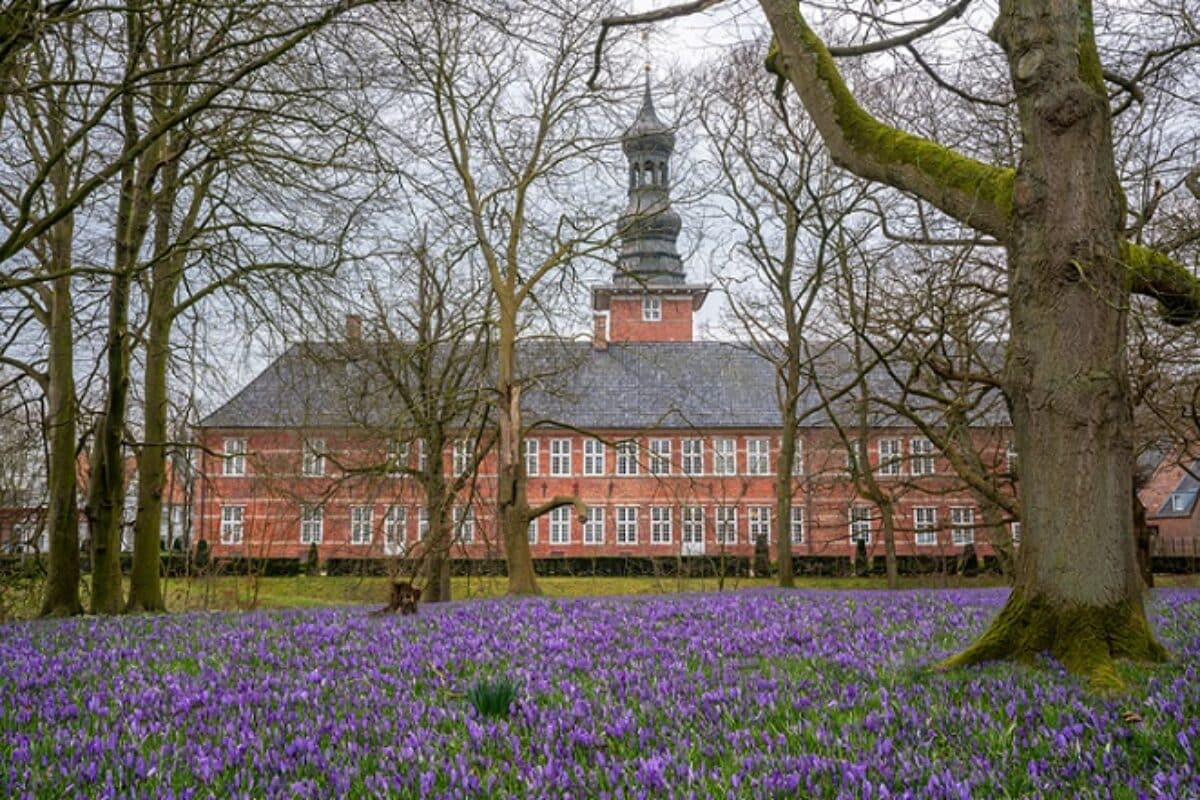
<point>1155,274</point>
<point>976,194</point>
<point>558,501</point>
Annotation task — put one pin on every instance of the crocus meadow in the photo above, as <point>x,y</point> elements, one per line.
<point>737,694</point>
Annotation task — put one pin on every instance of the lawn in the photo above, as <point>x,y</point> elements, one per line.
<point>760,693</point>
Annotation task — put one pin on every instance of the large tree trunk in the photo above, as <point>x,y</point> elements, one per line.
<point>512,506</point>
<point>145,586</point>
<point>62,517</point>
<point>436,567</point>
<point>1078,593</point>
<point>783,499</point>
<point>887,519</point>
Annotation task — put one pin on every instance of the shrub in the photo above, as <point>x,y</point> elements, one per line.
<point>312,561</point>
<point>493,698</point>
<point>200,562</point>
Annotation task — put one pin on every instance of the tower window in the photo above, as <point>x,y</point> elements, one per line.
<point>651,308</point>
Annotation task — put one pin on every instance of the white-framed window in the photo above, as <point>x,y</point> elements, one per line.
<point>890,457</point>
<point>1015,529</point>
<point>651,308</point>
<point>464,455</point>
<point>860,524</point>
<point>532,456</point>
<point>925,525</point>
<point>314,457</point>
<point>921,451</point>
<point>560,457</point>
<point>724,456</point>
<point>759,523</point>
<point>691,456</point>
<point>660,525</point>
<point>395,526</point>
<point>797,525</point>
<point>422,456</point>
<point>693,524</point>
<point>593,457</point>
<point>233,524</point>
<point>1010,457</point>
<point>423,523</point>
<point>758,456</point>
<point>726,524</point>
<point>360,525</point>
<point>627,524</point>
<point>235,457</point>
<point>312,524</point>
<point>627,453</point>
<point>660,456</point>
<point>593,529</point>
<point>532,530</point>
<point>464,524</point>
<point>962,525</point>
<point>798,459</point>
<point>397,456</point>
<point>560,525</point>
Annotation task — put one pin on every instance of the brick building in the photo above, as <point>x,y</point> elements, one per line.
<point>671,442</point>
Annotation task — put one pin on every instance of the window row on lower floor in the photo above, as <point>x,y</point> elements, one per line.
<point>620,524</point>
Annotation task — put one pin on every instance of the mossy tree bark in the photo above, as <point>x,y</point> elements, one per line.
<point>1078,594</point>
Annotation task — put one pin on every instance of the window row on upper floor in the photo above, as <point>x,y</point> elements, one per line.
<point>655,455</point>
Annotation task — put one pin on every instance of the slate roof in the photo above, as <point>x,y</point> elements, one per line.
<point>667,385</point>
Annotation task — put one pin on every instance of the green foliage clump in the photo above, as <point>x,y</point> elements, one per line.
<point>493,698</point>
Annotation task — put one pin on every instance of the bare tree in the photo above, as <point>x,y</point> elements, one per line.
<point>1060,216</point>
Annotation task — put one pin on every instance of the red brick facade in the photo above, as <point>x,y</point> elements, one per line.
<point>733,489</point>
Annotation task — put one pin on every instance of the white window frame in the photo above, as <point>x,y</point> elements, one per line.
<point>860,524</point>
<point>651,308</point>
<point>312,524</point>
<point>422,456</point>
<point>661,524</point>
<point>1011,457</point>
<point>725,523</point>
<point>627,458</point>
<point>233,524</point>
<point>798,460</point>
<point>660,456</point>
<point>395,526</point>
<point>398,456</point>
<point>464,524</point>
<point>925,526</point>
<point>313,458</point>
<point>725,456</point>
<point>758,522</point>
<point>692,523</point>
<point>758,456</point>
<point>1014,529</point>
<point>560,458</point>
<point>532,452</point>
<point>796,525</point>
<point>531,531</point>
<point>627,525</point>
<point>593,457</point>
<point>962,525</point>
<point>423,524</point>
<point>593,529</point>
<point>691,456</point>
<point>360,524</point>
<point>921,455</point>
<point>891,457</point>
<point>560,525</point>
<point>464,455</point>
<point>235,458</point>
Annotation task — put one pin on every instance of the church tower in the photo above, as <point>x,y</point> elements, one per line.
<point>649,299</point>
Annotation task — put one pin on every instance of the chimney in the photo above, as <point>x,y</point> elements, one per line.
<point>353,328</point>
<point>600,331</point>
